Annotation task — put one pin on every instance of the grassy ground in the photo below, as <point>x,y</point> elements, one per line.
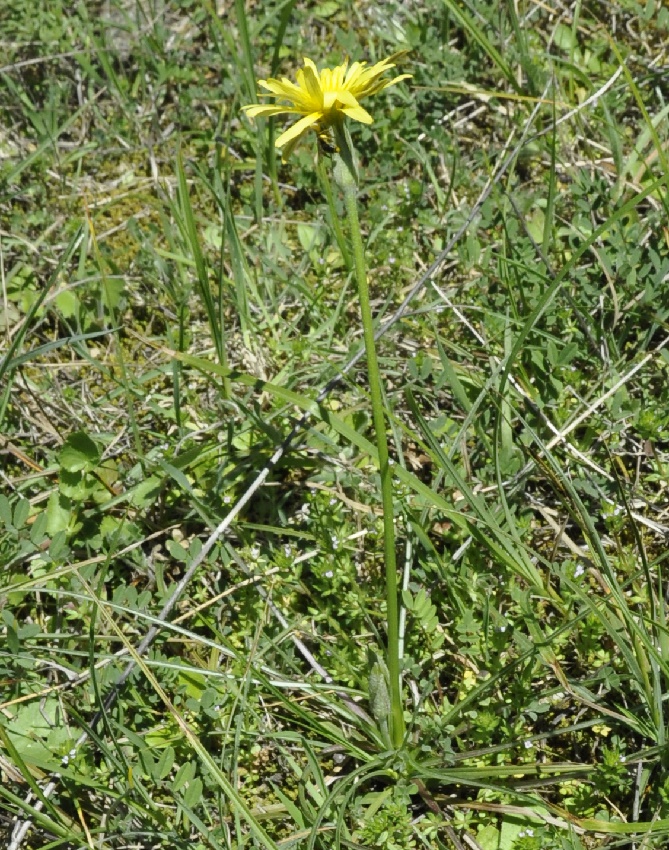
<point>174,298</point>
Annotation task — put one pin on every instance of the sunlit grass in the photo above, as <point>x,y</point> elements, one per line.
<point>192,590</point>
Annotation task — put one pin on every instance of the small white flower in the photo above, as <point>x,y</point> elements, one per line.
<point>287,550</point>
<point>329,574</point>
<point>529,831</point>
<point>528,745</point>
<point>255,552</point>
<point>580,569</point>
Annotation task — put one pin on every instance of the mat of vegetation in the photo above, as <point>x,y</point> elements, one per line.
<point>193,607</point>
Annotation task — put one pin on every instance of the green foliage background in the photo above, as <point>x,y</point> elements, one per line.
<point>174,297</point>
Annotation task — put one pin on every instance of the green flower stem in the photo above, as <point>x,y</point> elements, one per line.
<point>334,217</point>
<point>347,181</point>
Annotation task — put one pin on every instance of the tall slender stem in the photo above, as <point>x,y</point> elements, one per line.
<point>334,217</point>
<point>348,184</point>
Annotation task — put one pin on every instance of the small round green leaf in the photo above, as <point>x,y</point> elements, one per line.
<point>79,452</point>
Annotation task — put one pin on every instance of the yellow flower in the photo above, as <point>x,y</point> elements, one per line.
<point>324,97</point>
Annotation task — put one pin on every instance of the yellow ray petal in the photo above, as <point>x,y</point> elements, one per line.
<point>330,98</point>
<point>397,80</point>
<point>256,109</point>
<point>380,85</point>
<point>367,79</point>
<point>357,113</point>
<point>289,148</point>
<point>312,85</point>
<point>299,128</point>
<point>283,89</point>
<point>310,64</point>
<point>354,72</point>
<point>339,75</point>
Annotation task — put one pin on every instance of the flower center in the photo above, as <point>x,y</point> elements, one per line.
<point>330,99</point>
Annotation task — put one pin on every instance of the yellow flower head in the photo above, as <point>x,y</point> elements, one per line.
<point>324,97</point>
